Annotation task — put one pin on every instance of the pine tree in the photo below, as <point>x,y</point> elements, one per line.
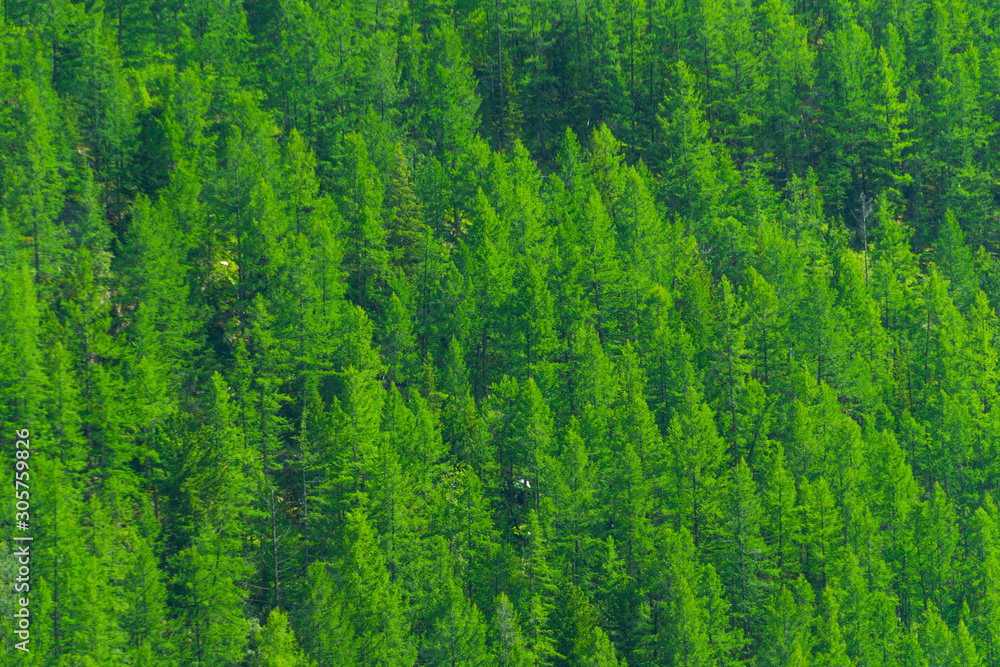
<point>361,202</point>
<point>448,101</point>
<point>532,342</point>
<point>743,553</point>
<point>399,344</point>
<point>668,357</point>
<point>789,64</point>
<point>459,636</point>
<point>508,646</point>
<point>821,532</point>
<point>33,185</point>
<point>23,382</point>
<point>848,67</point>
<point>392,499</point>
<point>690,482</point>
<point>357,417</point>
<point>211,627</point>
<point>788,637</point>
<point>832,649</point>
<point>144,615</point>
<point>600,272</point>
<point>729,370</point>
<point>372,601</point>
<point>781,519</point>
<point>574,503</point>
<point>404,225</point>
<point>936,537</point>
<point>330,635</point>
<point>276,645</point>
<point>696,169</point>
<point>490,273</point>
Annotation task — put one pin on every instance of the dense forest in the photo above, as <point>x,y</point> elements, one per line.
<point>502,332</point>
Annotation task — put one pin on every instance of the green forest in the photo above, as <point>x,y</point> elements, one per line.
<point>501,333</point>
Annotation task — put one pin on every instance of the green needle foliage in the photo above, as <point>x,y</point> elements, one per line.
<point>538,334</point>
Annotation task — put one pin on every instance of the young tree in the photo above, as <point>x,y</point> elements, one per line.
<point>276,645</point>
<point>742,553</point>
<point>691,481</point>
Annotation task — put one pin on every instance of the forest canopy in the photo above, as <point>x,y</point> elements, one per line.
<point>548,333</point>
